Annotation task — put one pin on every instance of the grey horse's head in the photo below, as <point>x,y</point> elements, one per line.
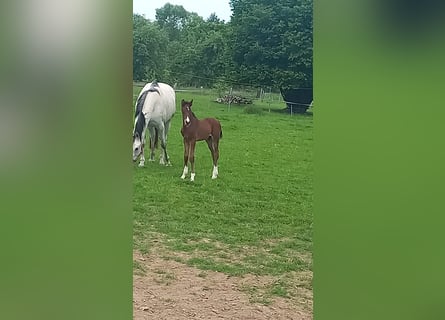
<point>138,143</point>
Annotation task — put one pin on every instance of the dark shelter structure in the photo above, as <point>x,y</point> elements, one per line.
<point>297,100</point>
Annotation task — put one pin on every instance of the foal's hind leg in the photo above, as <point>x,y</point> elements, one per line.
<point>212,142</point>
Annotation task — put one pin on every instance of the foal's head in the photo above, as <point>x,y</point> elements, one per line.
<point>187,113</point>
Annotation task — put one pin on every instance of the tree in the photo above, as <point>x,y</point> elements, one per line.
<point>265,43</point>
<point>196,47</point>
<point>272,42</point>
<point>149,46</point>
<point>204,43</point>
<point>172,18</point>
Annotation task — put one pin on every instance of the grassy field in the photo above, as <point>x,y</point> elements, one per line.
<point>256,218</point>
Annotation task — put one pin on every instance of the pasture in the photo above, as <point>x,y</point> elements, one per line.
<point>254,219</point>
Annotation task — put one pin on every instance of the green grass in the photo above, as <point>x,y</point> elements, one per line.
<point>256,217</point>
<point>257,295</point>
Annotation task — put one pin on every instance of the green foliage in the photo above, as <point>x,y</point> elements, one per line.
<point>149,46</point>
<point>266,42</point>
<point>272,41</point>
<point>221,86</point>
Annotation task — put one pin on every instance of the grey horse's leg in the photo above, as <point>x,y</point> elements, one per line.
<point>163,136</point>
<point>152,143</point>
<point>142,157</point>
<point>163,159</point>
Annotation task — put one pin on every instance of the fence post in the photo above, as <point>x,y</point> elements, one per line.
<point>230,97</point>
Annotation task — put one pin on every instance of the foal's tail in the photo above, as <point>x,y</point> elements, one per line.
<point>220,135</point>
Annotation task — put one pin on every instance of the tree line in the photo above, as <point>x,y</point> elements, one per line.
<point>265,43</point>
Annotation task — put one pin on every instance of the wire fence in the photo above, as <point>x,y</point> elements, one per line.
<point>235,94</point>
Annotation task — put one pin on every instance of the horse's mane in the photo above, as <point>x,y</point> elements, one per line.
<point>140,122</point>
<point>139,125</point>
<point>139,116</point>
<point>140,103</point>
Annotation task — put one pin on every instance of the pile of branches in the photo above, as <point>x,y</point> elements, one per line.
<point>233,99</point>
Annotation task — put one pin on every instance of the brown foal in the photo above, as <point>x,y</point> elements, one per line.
<point>193,129</point>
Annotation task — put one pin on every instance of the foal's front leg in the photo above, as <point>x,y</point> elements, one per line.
<point>192,159</point>
<point>186,159</point>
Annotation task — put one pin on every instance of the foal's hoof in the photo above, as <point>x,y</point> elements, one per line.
<point>141,164</point>
<point>214,177</point>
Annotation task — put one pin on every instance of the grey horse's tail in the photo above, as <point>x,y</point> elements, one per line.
<point>154,87</point>
<point>156,138</point>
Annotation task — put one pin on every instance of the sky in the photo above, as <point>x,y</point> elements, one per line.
<point>202,7</point>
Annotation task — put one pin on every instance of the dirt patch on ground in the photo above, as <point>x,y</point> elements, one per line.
<point>167,289</point>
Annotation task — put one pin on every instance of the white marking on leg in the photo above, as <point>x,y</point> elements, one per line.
<point>184,172</point>
<point>141,161</point>
<point>192,176</point>
<point>215,172</point>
